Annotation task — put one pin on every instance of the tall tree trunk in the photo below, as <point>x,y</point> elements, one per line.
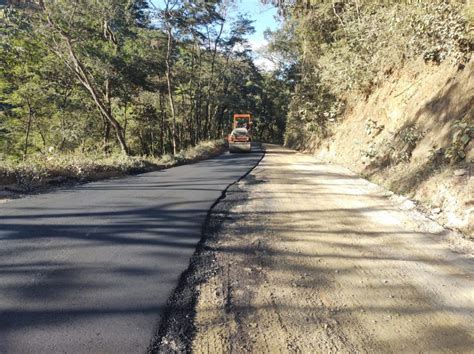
<point>211,88</point>
<point>28,130</point>
<point>106,136</point>
<point>170,88</point>
<point>84,77</point>
<point>42,135</point>
<point>106,121</point>
<point>125,119</point>
<point>85,80</point>
<point>163,127</point>
<point>198,100</point>
<point>221,122</point>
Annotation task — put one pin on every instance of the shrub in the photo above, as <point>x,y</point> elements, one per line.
<point>346,51</point>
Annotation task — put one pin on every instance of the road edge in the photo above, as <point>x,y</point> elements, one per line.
<point>175,331</point>
<point>51,185</point>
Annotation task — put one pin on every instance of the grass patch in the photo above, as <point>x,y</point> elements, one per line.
<point>45,170</point>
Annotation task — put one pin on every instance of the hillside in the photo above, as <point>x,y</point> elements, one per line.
<point>413,136</point>
<point>387,90</point>
<point>259,176</point>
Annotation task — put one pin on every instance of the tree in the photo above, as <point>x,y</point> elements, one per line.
<point>90,47</point>
<point>117,74</point>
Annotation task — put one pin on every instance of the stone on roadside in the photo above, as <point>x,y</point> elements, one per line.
<point>460,172</point>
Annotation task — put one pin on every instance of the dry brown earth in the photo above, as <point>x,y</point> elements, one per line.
<point>399,135</point>
<point>316,259</point>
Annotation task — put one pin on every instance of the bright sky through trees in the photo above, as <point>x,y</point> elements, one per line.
<point>264,17</point>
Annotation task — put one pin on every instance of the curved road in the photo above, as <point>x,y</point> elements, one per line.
<point>90,268</point>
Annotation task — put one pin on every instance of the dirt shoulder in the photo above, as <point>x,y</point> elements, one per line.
<point>311,258</point>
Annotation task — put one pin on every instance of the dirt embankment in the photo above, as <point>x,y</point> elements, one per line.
<point>311,258</point>
<point>415,136</point>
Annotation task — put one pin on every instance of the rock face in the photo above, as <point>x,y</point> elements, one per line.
<point>436,211</point>
<point>419,107</point>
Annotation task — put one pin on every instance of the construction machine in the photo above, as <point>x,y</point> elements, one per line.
<point>240,138</point>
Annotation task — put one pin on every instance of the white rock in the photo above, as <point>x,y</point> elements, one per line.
<point>408,205</point>
<point>460,172</point>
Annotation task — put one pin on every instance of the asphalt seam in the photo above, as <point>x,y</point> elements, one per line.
<point>177,321</point>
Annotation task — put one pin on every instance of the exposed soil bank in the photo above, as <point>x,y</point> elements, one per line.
<point>406,134</point>
<point>309,257</point>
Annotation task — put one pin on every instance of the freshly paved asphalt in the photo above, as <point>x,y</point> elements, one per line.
<point>89,269</point>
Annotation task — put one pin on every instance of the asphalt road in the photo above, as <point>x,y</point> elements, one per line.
<point>89,269</point>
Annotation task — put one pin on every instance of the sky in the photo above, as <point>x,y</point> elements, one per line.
<point>264,16</point>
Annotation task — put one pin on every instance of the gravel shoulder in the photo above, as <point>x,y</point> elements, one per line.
<point>309,258</point>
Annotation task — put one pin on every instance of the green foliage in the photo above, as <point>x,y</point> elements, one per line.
<point>346,49</point>
<point>271,96</point>
<point>404,143</point>
<point>372,40</point>
<point>91,77</point>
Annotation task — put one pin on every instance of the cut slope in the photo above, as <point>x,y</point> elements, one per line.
<point>408,136</point>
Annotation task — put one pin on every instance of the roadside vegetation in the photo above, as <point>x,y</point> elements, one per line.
<point>44,171</point>
<point>127,77</point>
<point>341,52</point>
<point>382,87</point>
<point>96,88</point>
<point>100,80</point>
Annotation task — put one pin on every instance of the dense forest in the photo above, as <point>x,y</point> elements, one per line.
<point>127,77</point>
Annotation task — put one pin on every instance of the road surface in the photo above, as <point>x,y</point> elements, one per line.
<point>89,269</point>
<point>314,259</point>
